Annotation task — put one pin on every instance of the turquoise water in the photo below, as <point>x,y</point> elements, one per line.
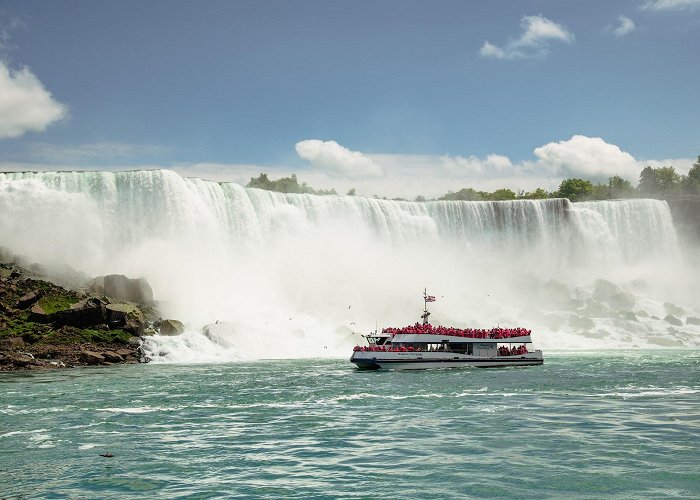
<point>583,425</point>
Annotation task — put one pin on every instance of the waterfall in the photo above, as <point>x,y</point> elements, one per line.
<point>255,273</point>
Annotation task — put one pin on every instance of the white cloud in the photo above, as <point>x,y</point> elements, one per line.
<point>672,5</point>
<point>472,165</point>
<point>533,43</point>
<point>626,27</point>
<point>589,157</point>
<point>25,105</point>
<point>337,160</point>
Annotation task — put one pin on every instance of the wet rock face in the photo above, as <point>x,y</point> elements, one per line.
<point>673,320</point>
<point>120,287</point>
<point>171,327</point>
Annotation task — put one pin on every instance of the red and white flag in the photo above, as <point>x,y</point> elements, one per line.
<point>430,298</point>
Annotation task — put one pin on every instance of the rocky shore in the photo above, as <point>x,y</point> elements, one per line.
<point>44,325</point>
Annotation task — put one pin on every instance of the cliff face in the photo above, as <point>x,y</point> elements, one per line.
<point>686,219</point>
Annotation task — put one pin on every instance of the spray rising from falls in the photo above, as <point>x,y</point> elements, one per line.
<point>260,274</point>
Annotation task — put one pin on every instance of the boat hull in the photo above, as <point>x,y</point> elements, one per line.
<point>367,360</point>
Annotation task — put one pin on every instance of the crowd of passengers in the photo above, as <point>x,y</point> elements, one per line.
<point>502,351</point>
<point>475,333</point>
<point>512,351</point>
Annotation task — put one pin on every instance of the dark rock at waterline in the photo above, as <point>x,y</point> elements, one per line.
<point>692,320</point>
<point>119,287</point>
<point>673,320</point>
<point>112,357</point>
<point>171,327</point>
<point>28,299</point>
<point>91,358</point>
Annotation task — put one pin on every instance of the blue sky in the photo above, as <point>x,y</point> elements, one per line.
<point>395,97</point>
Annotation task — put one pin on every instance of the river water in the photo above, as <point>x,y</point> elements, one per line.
<point>584,425</point>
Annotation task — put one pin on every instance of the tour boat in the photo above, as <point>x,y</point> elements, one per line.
<point>423,346</point>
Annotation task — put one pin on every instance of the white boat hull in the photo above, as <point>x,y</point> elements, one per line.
<point>373,360</point>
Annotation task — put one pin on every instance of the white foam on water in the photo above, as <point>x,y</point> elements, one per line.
<point>261,275</point>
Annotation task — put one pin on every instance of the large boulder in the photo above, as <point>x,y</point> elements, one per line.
<point>28,299</point>
<point>91,357</point>
<point>84,314</point>
<point>610,293</point>
<point>692,320</point>
<point>128,317</point>
<point>119,287</point>
<point>673,320</point>
<point>171,327</point>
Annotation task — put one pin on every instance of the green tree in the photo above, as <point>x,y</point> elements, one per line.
<point>285,185</point>
<point>575,189</point>
<point>465,194</point>
<point>649,181</point>
<point>620,188</point>
<point>537,194</point>
<point>669,180</point>
<point>502,194</point>
<point>351,192</point>
<point>691,183</point>
<point>420,198</point>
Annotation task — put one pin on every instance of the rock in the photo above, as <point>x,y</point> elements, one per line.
<point>628,315</point>
<point>595,309</point>
<point>29,299</point>
<point>673,320</point>
<point>605,289</point>
<point>88,313</point>
<point>673,309</point>
<point>692,320</point>
<point>37,314</point>
<point>610,293</point>
<point>118,286</point>
<point>128,317</point>
<point>171,327</point>
<point>113,357</point>
<point>19,359</point>
<point>91,357</point>
<point>642,314</point>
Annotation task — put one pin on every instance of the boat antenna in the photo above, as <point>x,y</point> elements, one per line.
<point>426,298</point>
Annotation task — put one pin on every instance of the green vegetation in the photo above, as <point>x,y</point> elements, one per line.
<point>287,185</point>
<point>70,335</point>
<point>57,301</point>
<point>661,182</point>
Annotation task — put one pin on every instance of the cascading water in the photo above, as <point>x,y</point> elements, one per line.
<point>260,274</point>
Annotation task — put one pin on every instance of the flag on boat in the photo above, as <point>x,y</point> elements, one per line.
<point>430,298</point>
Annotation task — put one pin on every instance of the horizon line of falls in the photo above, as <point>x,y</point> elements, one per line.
<point>256,274</point>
